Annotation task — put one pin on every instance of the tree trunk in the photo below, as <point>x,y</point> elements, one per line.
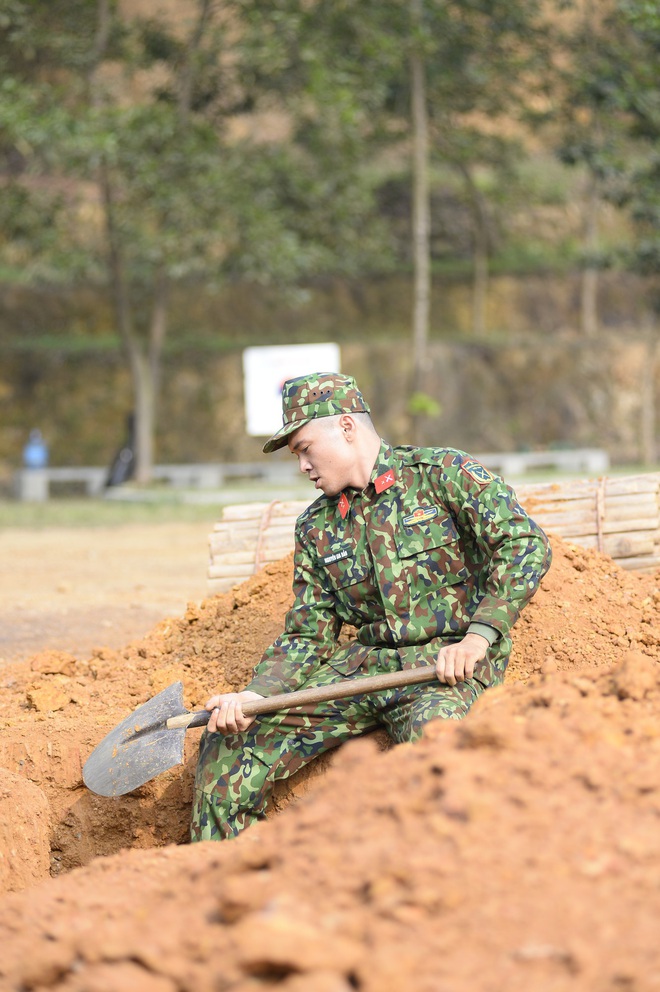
<point>589,282</point>
<point>145,419</point>
<point>140,366</point>
<point>648,399</point>
<point>144,357</point>
<point>103,24</point>
<point>480,253</point>
<point>157,334</point>
<point>420,226</point>
<point>479,288</point>
<point>187,76</point>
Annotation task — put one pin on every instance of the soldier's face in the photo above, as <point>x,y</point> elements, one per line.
<point>324,454</point>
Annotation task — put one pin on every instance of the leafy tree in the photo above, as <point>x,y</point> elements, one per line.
<point>138,113</point>
<point>424,78</point>
<point>153,172</point>
<point>589,136</point>
<point>610,114</point>
<point>607,110</point>
<point>633,89</point>
<point>37,41</point>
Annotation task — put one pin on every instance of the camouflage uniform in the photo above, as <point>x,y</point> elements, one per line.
<point>434,547</point>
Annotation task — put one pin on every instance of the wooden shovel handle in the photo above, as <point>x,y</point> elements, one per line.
<point>341,690</point>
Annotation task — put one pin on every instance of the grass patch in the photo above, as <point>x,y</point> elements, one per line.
<point>102,513</point>
<point>155,505</point>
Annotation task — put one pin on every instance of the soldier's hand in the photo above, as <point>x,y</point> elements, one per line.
<point>455,662</point>
<point>227,715</point>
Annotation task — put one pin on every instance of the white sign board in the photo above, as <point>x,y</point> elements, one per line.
<point>265,370</point>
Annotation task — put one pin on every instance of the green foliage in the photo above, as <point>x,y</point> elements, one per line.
<point>611,115</point>
<point>327,195</point>
<point>26,218</point>
<point>174,193</point>
<point>38,38</point>
<point>422,405</point>
<point>187,199</point>
<point>635,91</point>
<point>341,72</point>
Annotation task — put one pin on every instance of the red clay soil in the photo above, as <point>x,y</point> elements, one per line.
<point>518,849</point>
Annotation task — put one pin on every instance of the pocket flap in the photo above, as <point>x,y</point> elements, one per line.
<point>342,568</point>
<point>419,537</point>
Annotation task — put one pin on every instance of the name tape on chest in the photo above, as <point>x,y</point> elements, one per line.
<point>337,556</point>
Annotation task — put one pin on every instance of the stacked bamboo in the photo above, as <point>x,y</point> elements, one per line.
<point>619,516</point>
<point>249,536</point>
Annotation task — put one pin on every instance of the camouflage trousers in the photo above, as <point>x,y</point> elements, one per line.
<point>236,773</point>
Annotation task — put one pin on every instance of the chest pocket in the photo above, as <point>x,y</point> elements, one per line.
<point>352,582</point>
<point>339,564</point>
<point>431,552</point>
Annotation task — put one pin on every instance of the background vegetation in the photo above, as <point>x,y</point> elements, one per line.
<point>180,179</point>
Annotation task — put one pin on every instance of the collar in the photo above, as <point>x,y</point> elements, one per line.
<point>385,472</point>
<point>384,475</point>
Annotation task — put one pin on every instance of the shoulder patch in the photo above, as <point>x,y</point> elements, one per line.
<point>477,472</point>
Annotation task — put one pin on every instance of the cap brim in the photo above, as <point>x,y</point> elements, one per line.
<point>281,437</point>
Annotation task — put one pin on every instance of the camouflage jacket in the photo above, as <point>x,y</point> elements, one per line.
<point>433,545</point>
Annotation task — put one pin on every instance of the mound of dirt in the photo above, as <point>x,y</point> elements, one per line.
<point>515,849</point>
<point>24,835</point>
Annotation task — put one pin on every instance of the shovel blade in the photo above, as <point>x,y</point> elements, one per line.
<point>139,748</point>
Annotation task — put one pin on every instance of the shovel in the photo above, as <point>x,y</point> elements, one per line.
<point>151,739</point>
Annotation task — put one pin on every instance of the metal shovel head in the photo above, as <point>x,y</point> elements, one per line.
<point>139,748</point>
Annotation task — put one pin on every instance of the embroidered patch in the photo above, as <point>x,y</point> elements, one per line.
<point>477,472</point>
<point>420,515</point>
<point>337,556</point>
<point>385,480</point>
<point>343,505</point>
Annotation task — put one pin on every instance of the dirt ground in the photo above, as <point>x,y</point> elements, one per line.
<point>516,849</point>
<point>76,589</point>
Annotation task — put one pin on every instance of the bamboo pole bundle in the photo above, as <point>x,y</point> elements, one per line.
<point>248,537</point>
<point>619,516</point>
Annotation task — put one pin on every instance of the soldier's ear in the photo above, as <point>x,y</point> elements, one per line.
<point>347,424</point>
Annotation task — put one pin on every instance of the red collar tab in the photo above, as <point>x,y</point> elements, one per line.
<point>385,480</point>
<point>343,505</point>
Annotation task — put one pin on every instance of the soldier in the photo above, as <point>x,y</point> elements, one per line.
<point>421,550</point>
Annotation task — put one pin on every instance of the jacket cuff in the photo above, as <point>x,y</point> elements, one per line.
<point>484,630</point>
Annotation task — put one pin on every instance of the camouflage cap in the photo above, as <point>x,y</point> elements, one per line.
<point>319,394</point>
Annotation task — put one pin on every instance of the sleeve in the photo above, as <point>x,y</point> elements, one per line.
<point>311,629</point>
<point>513,550</point>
